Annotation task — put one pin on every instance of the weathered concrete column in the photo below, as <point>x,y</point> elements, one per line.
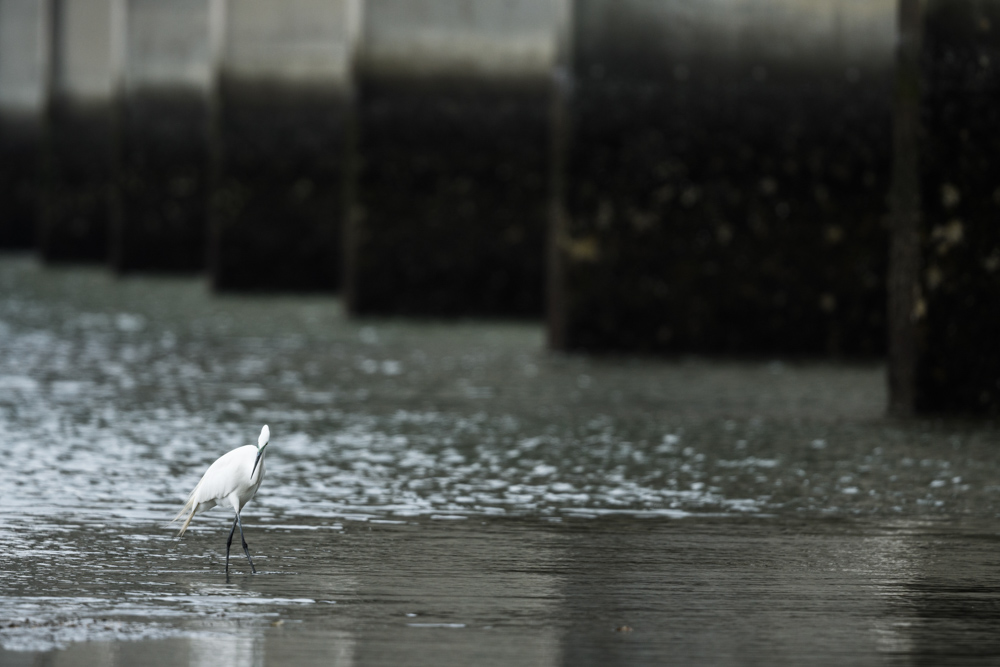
<point>453,150</point>
<point>24,77</point>
<point>280,134</point>
<point>958,358</point>
<point>79,155</point>
<point>906,307</point>
<point>726,170</point>
<point>162,217</point>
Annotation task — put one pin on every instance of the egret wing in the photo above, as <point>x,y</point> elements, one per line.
<point>230,472</point>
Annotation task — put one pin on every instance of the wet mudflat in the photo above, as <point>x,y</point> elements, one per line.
<point>453,494</point>
<point>510,592</point>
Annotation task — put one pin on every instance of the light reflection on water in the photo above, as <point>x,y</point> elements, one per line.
<point>115,413</point>
<point>115,396</point>
<point>236,650</point>
<point>397,448</point>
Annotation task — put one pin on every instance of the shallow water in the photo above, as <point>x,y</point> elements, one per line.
<point>452,493</point>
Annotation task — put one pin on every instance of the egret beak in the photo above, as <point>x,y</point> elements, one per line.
<point>256,460</point>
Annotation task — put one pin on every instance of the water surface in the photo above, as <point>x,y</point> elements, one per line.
<point>451,493</point>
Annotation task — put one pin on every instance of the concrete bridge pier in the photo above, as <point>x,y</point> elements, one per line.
<point>279,141</point>
<point>162,164</point>
<point>450,195</point>
<point>726,171</point>
<point>947,203</point>
<point>79,145</point>
<point>24,58</point>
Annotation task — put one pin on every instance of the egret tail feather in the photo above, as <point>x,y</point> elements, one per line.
<point>190,506</point>
<point>187,505</point>
<point>187,522</point>
<point>181,513</point>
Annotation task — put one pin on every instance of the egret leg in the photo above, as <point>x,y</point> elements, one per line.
<point>246,549</point>
<point>229,542</point>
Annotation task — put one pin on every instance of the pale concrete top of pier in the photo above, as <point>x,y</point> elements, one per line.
<point>23,55</point>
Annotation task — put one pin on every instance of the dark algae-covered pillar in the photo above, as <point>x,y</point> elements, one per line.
<point>905,304</point>
<point>79,143</point>
<point>956,312</point>
<point>726,173</point>
<point>450,193</point>
<point>161,221</point>
<point>279,142</point>
<point>24,78</point>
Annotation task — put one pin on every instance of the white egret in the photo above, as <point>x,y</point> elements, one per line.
<point>232,480</point>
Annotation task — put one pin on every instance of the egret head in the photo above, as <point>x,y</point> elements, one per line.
<point>262,440</point>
